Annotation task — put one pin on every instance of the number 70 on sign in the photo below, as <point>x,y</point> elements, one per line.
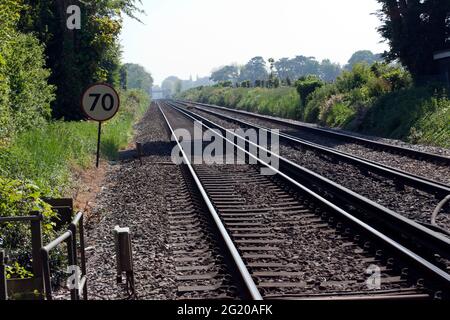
<point>100,102</point>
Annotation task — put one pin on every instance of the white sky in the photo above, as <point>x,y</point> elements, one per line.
<point>190,37</point>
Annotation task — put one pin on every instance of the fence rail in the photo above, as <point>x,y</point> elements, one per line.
<point>40,254</point>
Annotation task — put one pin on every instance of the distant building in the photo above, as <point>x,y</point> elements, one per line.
<point>442,59</point>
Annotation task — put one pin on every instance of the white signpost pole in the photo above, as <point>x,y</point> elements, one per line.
<point>100,102</point>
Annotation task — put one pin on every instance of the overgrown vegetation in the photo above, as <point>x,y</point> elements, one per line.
<point>345,102</point>
<point>44,66</point>
<point>47,154</point>
<point>282,102</point>
<point>379,99</point>
<point>25,95</point>
<point>40,163</point>
<point>20,198</point>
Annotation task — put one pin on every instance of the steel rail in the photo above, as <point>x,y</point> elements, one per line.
<point>440,190</point>
<point>398,226</point>
<point>439,275</point>
<point>240,265</point>
<point>343,136</point>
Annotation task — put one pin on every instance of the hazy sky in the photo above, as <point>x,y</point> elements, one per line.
<point>192,37</point>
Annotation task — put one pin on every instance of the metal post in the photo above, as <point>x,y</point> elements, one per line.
<point>83,256</point>
<point>73,229</point>
<point>124,257</point>
<point>71,259</point>
<point>98,142</point>
<point>36,245</point>
<point>46,273</point>
<point>3,287</point>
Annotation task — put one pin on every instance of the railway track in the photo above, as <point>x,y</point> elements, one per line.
<point>377,145</point>
<point>396,157</point>
<point>200,261</point>
<point>286,241</point>
<point>410,195</point>
<point>403,229</point>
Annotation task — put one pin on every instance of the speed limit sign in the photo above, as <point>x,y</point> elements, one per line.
<point>100,102</point>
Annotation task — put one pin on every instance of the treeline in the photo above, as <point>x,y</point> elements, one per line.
<point>174,85</point>
<point>379,99</point>
<point>405,96</point>
<point>271,74</point>
<point>134,76</point>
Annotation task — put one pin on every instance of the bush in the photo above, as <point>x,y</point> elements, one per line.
<point>415,114</point>
<point>356,78</point>
<point>18,198</point>
<point>307,85</point>
<point>25,95</point>
<point>281,102</point>
<point>354,93</point>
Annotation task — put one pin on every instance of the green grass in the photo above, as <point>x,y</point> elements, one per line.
<point>283,102</point>
<point>47,155</point>
<point>417,115</point>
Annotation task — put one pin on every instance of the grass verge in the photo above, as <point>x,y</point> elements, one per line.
<point>46,155</point>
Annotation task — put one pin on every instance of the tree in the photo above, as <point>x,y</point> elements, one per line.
<point>284,69</point>
<point>123,77</point>
<point>288,81</point>
<point>25,94</point>
<point>138,77</point>
<point>272,75</point>
<point>307,85</point>
<point>303,66</point>
<point>414,30</point>
<point>329,71</point>
<point>227,73</point>
<point>366,56</point>
<point>169,84</point>
<point>178,87</point>
<point>254,70</point>
<point>77,58</point>
<point>297,67</point>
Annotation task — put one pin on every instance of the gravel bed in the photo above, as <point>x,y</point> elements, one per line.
<point>427,169</point>
<point>147,199</point>
<point>134,197</point>
<point>409,202</point>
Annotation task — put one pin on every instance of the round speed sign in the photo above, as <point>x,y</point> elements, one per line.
<point>100,102</point>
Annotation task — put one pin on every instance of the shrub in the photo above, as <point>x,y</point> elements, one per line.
<point>307,85</point>
<point>25,95</point>
<point>356,78</point>
<point>416,113</point>
<point>18,198</point>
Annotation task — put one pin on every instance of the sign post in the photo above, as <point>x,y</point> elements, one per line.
<point>100,102</point>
